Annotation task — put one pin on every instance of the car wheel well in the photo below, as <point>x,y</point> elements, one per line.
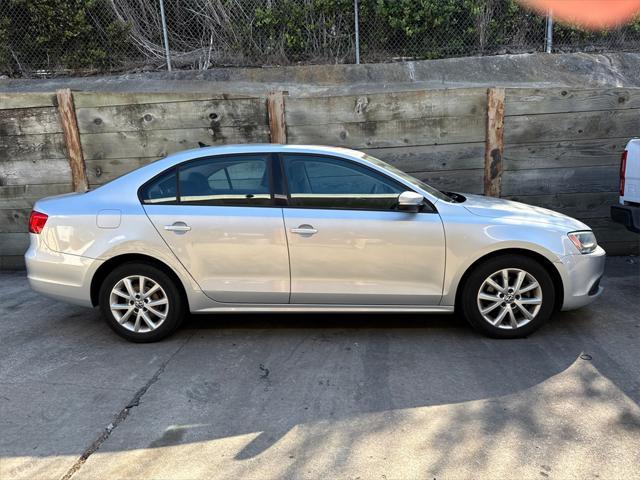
<point>108,266</point>
<point>545,262</point>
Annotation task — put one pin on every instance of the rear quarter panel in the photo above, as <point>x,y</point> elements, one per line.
<point>107,223</point>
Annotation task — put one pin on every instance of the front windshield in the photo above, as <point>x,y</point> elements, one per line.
<point>409,178</point>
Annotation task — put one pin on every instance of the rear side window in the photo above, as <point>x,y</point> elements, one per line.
<point>162,189</point>
<point>233,180</point>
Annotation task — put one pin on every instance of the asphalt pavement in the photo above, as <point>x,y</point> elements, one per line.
<point>321,396</point>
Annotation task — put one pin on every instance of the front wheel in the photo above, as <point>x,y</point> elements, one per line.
<point>509,296</point>
<point>141,303</point>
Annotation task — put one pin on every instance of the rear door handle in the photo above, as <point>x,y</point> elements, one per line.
<point>178,227</point>
<point>304,230</point>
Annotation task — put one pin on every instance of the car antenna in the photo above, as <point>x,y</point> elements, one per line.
<point>202,145</point>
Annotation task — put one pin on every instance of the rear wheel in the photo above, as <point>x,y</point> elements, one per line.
<point>141,303</point>
<point>509,296</point>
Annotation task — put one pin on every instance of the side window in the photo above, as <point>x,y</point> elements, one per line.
<point>327,182</point>
<point>241,180</point>
<point>160,190</point>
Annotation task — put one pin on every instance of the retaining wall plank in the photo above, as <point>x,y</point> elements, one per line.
<point>14,220</point>
<point>395,133</point>
<point>457,156</point>
<point>385,106</point>
<point>35,171</point>
<point>103,99</point>
<point>103,171</point>
<point>11,195</point>
<point>159,143</point>
<point>25,121</point>
<point>174,115</point>
<point>571,126</point>
<point>578,205</point>
<point>523,101</point>
<point>27,100</point>
<point>465,181</point>
<point>28,147</point>
<point>566,180</point>
<point>13,243</point>
<point>573,153</point>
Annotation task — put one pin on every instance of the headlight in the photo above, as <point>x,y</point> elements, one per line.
<point>584,241</point>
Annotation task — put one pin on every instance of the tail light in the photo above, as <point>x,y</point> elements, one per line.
<point>623,169</point>
<point>37,221</point>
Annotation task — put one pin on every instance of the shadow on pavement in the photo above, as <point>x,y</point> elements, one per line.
<point>267,375</point>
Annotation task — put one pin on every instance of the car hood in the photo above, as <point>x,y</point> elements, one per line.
<point>519,212</point>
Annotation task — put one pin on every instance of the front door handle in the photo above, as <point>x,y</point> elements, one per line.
<point>304,230</point>
<point>178,227</point>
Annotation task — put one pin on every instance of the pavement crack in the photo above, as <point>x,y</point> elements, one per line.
<point>121,415</point>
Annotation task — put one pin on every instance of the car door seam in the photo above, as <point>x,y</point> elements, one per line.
<point>171,250</point>
<point>286,237</point>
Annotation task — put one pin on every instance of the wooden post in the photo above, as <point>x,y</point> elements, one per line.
<point>277,123</point>
<point>494,143</point>
<point>69,121</point>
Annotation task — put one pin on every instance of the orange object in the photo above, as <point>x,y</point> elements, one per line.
<point>592,14</point>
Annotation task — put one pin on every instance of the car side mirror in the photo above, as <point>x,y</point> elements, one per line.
<point>409,201</point>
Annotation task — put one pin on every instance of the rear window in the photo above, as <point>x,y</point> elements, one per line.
<point>162,189</point>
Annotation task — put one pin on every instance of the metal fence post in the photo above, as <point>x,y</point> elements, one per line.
<point>355,11</point>
<point>165,35</point>
<point>549,36</point>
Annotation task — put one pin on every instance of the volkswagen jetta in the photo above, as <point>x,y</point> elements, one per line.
<point>284,228</point>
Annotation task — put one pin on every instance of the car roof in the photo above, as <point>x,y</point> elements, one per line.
<point>131,181</point>
<point>140,175</point>
<point>261,148</point>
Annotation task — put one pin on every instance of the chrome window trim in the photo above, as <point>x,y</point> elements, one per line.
<point>429,206</point>
<point>275,153</point>
<point>177,166</point>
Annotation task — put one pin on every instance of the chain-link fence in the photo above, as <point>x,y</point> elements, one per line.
<point>44,37</point>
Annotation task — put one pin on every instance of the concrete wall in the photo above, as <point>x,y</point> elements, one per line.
<point>576,70</point>
<point>561,146</point>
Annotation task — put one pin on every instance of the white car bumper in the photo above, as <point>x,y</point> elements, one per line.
<point>581,276</point>
<point>59,275</point>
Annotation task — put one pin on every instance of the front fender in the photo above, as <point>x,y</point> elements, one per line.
<point>470,238</point>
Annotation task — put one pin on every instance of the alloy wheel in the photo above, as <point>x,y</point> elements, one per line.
<point>509,298</point>
<point>139,303</point>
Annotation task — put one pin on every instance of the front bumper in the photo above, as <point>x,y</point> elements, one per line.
<point>59,275</point>
<point>581,276</point>
<point>627,215</point>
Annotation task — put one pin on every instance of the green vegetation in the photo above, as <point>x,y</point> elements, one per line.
<point>56,35</point>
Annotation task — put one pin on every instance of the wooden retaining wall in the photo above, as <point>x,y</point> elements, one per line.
<point>557,148</point>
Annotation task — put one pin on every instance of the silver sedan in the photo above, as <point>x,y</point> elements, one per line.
<point>284,228</point>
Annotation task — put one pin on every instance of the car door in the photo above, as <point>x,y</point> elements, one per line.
<point>218,217</point>
<point>348,244</point>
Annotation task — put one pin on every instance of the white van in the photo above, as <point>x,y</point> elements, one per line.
<point>628,210</point>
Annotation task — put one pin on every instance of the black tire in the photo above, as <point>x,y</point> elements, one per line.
<point>175,309</point>
<point>470,303</point>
